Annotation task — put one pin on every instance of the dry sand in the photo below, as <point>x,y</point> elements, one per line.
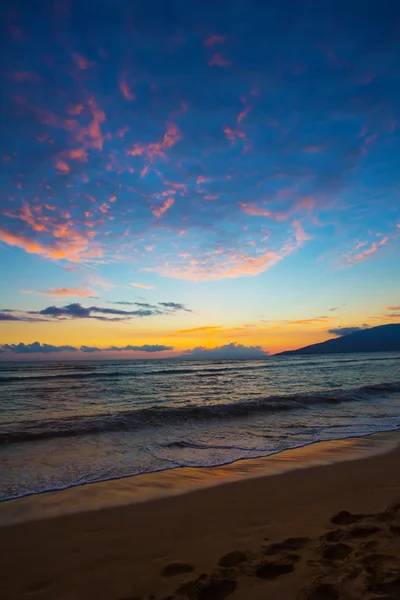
<point>278,536</point>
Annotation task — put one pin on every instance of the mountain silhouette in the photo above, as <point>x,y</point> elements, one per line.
<point>385,338</point>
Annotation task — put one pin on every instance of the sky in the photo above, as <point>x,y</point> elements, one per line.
<point>197,178</point>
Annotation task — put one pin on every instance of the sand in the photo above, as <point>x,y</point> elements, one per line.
<point>267,532</point>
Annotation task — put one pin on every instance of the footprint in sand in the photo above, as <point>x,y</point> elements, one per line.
<point>334,536</point>
<point>232,559</point>
<point>337,551</point>
<point>395,529</point>
<point>363,530</point>
<point>295,543</point>
<point>207,588</point>
<point>345,518</point>
<point>323,591</point>
<point>176,568</point>
<point>276,568</point>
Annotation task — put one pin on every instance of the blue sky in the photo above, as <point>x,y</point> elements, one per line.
<point>239,159</point>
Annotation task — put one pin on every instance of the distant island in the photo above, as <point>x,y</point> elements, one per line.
<point>384,338</point>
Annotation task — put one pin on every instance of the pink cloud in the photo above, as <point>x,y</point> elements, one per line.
<point>223,264</point>
<point>255,211</point>
<point>142,286</point>
<point>76,154</point>
<point>217,61</point>
<point>300,234</point>
<point>214,39</point>
<point>83,292</point>
<point>233,134</point>
<point>125,89</point>
<point>313,149</point>
<point>159,211</point>
<point>352,259</point>
<point>81,61</point>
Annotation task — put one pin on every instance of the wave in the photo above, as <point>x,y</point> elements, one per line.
<point>99,372</point>
<point>158,416</point>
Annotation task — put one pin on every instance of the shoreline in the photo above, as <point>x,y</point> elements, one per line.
<point>156,485</point>
<point>250,531</point>
<point>109,480</point>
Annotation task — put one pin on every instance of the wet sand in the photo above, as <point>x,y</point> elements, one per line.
<point>272,529</point>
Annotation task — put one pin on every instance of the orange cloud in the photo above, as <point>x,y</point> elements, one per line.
<point>142,286</point>
<point>27,216</point>
<point>170,138</point>
<point>244,113</point>
<point>217,61</point>
<point>77,154</point>
<point>158,212</point>
<point>209,329</point>
<point>69,245</point>
<point>214,39</point>
<point>62,166</point>
<point>308,321</point>
<point>233,134</point>
<point>125,90</point>
<point>93,130</point>
<point>83,292</point>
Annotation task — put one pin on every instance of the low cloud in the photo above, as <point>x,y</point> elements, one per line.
<point>341,331</point>
<point>232,350</point>
<point>174,306</point>
<point>145,348</point>
<point>4,316</point>
<point>36,348</point>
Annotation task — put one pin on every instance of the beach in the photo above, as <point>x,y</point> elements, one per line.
<point>319,522</point>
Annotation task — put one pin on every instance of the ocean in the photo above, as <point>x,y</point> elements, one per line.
<point>68,423</point>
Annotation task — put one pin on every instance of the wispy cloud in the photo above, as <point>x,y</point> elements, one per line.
<point>207,328</point>
<point>211,40</point>
<point>82,292</point>
<point>369,248</point>
<point>143,286</point>
<point>217,61</point>
<point>77,311</point>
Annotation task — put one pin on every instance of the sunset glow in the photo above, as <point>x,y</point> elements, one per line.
<point>195,178</point>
